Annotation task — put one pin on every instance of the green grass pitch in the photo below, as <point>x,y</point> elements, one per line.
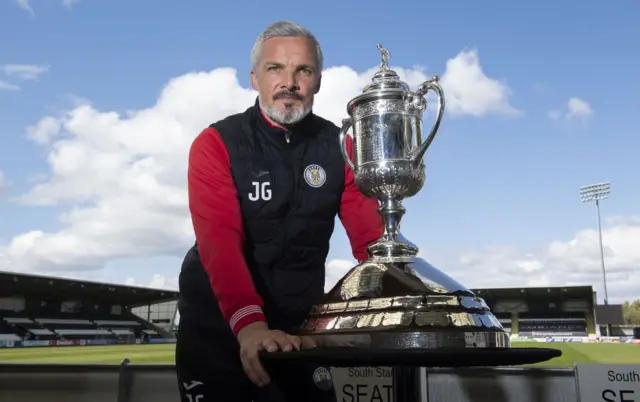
<point>578,352</point>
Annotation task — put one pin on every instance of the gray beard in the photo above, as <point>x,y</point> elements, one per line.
<point>287,117</point>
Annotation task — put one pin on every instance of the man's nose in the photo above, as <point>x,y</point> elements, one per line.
<point>291,81</point>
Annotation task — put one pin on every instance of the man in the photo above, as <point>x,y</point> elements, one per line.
<point>265,187</point>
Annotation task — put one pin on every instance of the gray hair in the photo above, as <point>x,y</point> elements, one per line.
<point>283,29</point>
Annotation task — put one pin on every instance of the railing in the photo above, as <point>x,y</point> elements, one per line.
<point>157,383</point>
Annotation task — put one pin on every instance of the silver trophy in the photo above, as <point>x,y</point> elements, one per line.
<point>394,299</point>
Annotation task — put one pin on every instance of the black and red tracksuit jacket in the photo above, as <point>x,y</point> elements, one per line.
<point>263,201</point>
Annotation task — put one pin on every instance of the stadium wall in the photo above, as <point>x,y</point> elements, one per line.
<point>103,342</point>
<point>137,341</point>
<point>80,342</point>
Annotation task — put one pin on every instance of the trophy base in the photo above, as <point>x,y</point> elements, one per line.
<point>407,359</point>
<point>402,303</point>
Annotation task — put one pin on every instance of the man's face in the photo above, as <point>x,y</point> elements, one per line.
<point>286,78</point>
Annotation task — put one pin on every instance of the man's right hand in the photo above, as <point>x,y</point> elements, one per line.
<point>256,337</point>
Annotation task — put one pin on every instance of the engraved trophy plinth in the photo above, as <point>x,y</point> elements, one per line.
<point>395,299</point>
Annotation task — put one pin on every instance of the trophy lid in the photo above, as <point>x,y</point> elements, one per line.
<point>385,78</point>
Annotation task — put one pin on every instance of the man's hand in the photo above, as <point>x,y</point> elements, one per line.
<point>256,337</point>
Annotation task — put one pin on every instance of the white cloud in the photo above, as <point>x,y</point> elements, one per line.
<point>44,130</point>
<point>336,269</point>
<point>24,72</point>
<point>7,86</point>
<point>121,179</point>
<point>3,182</point>
<point>156,282</point>
<point>27,72</point>
<point>471,92</point>
<point>577,110</point>
<point>26,5</point>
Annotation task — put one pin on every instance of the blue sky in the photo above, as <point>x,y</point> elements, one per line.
<point>497,184</point>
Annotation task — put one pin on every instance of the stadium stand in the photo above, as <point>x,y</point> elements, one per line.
<point>40,311</point>
<point>567,311</point>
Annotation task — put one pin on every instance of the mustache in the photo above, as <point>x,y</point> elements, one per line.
<point>287,94</point>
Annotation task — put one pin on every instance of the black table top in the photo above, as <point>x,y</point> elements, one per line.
<point>471,357</point>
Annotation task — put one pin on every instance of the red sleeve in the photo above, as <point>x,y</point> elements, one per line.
<point>217,222</point>
<point>359,214</point>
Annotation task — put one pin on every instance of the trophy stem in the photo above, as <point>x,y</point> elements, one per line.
<point>391,244</point>
<point>392,211</point>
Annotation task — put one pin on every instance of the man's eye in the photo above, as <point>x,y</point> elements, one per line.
<point>305,71</point>
<point>273,68</point>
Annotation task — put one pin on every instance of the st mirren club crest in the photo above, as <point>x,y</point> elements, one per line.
<point>323,379</point>
<point>315,176</point>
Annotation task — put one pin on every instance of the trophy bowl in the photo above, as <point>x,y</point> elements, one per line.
<point>394,299</point>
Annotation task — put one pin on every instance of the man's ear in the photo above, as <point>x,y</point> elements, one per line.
<point>254,80</point>
<point>318,85</point>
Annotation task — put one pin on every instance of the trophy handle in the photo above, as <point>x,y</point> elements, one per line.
<point>422,91</point>
<point>346,125</point>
